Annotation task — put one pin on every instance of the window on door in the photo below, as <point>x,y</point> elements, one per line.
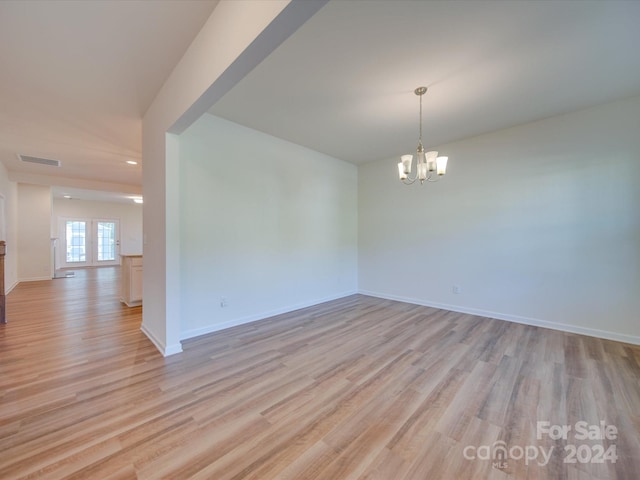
<point>106,241</point>
<point>89,242</point>
<point>76,241</point>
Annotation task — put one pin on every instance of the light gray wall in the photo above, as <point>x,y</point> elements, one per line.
<point>539,223</point>
<point>34,232</point>
<point>9,191</point>
<point>222,53</point>
<point>266,224</point>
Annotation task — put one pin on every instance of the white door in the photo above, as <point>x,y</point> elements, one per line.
<point>106,244</point>
<point>74,242</point>
<point>89,242</point>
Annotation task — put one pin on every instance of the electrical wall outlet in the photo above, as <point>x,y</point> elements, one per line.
<point>456,290</point>
<point>223,302</point>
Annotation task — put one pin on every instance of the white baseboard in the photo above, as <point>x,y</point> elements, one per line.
<point>35,279</point>
<point>8,290</point>
<point>162,348</point>
<point>563,327</point>
<point>196,332</point>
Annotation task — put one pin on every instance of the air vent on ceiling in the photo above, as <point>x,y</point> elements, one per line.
<point>41,161</point>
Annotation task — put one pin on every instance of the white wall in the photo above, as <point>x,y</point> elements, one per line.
<point>266,224</point>
<point>34,232</point>
<point>236,37</point>
<point>539,223</point>
<point>128,214</point>
<point>9,190</point>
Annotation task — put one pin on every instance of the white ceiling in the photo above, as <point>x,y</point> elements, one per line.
<point>77,76</point>
<point>343,83</point>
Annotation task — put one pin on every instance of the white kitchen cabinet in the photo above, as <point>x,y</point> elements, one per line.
<point>131,280</point>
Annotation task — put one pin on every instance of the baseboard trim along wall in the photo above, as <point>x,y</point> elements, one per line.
<point>563,327</point>
<point>8,290</point>
<point>162,348</point>
<point>34,279</point>
<point>196,332</point>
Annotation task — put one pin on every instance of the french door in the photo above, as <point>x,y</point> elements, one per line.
<point>89,242</point>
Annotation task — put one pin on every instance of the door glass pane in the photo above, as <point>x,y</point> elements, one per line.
<point>106,241</point>
<point>76,241</point>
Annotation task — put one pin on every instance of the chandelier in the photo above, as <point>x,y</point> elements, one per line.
<point>427,164</point>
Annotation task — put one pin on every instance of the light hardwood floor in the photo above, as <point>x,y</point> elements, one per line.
<point>358,388</point>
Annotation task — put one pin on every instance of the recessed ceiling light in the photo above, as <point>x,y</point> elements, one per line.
<point>132,162</point>
<point>137,199</point>
<point>67,196</point>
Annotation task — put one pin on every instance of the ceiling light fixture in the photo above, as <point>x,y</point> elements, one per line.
<point>426,163</point>
<point>137,199</point>
<point>132,162</point>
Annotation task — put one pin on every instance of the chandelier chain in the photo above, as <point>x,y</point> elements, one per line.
<point>420,119</point>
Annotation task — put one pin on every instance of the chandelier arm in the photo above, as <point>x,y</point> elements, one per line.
<point>409,181</point>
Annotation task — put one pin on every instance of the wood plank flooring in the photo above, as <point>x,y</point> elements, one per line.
<point>358,388</point>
